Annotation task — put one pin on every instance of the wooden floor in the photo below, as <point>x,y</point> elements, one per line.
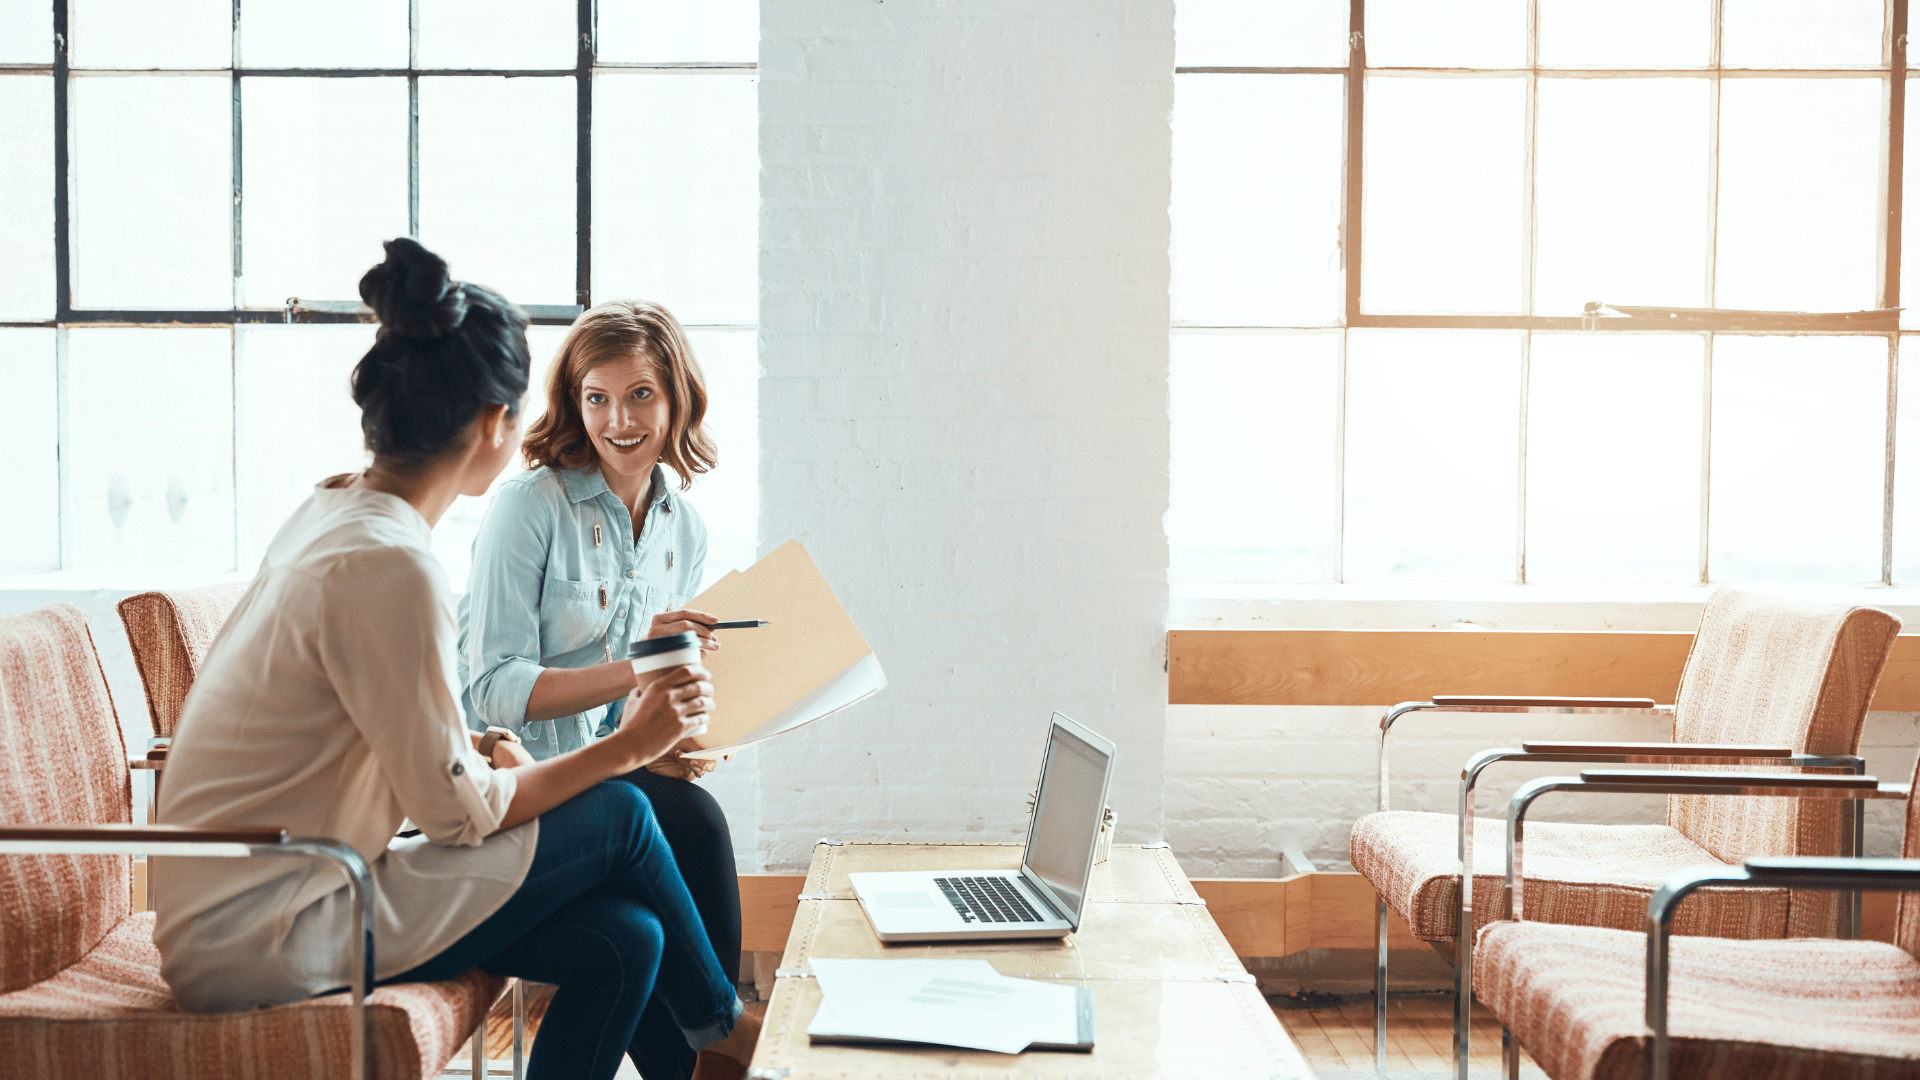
<point>1338,1037</point>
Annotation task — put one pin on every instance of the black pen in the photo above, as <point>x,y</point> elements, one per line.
<point>740,625</point>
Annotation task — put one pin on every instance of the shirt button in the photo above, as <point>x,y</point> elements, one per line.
<point>622,611</point>
<point>458,768</point>
<point>629,573</point>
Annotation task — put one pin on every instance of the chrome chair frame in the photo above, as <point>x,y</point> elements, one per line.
<point>155,764</point>
<point>1645,754</point>
<point>179,840</point>
<point>1857,787</point>
<point>1853,875</point>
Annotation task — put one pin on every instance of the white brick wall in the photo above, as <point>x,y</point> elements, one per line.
<point>963,407</point>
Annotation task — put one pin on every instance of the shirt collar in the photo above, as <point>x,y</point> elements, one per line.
<point>584,484</point>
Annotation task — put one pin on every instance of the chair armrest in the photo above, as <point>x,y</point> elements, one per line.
<point>1660,782</point>
<point>153,834</point>
<point>1880,875</point>
<point>1446,701</point>
<point>233,841</point>
<point>156,758</point>
<point>1703,751</point>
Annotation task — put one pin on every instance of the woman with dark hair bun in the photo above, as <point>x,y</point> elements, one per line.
<point>327,706</point>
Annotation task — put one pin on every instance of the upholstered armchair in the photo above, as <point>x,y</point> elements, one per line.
<point>1768,682</point>
<point>1590,1002</point>
<point>81,996</point>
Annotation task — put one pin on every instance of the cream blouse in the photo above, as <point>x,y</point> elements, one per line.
<point>327,706</point>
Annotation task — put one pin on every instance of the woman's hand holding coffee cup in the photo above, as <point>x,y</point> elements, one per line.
<point>671,708</point>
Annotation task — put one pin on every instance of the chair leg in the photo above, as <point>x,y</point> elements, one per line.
<point>519,1028</point>
<point>1509,1053</point>
<point>1380,988</point>
<point>479,1058</point>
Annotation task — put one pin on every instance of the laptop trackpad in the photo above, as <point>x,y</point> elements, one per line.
<point>902,900</point>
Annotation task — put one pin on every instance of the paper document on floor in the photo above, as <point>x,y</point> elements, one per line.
<point>963,1003</point>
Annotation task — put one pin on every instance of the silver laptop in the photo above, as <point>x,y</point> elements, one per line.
<point>1043,898</point>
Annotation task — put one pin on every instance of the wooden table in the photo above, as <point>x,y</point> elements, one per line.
<point>1170,998</point>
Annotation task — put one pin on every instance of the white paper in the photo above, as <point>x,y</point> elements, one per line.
<point>963,1003</point>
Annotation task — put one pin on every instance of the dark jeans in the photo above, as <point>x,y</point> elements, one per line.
<point>702,846</point>
<point>603,911</point>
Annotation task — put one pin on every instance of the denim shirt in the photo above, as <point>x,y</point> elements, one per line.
<point>543,592</point>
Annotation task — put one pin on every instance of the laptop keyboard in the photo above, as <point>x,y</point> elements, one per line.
<point>987,899</point>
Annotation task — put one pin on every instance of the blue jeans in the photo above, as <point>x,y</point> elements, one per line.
<point>604,915</point>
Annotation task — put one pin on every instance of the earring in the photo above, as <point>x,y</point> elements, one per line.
<point>497,440</point>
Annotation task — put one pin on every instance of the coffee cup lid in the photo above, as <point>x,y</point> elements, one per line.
<point>654,646</point>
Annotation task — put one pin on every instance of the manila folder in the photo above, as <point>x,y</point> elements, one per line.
<point>811,660</point>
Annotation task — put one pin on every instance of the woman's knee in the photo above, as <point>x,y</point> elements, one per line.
<point>686,811</point>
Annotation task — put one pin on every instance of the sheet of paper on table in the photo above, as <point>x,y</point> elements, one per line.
<point>963,1003</point>
<point>810,662</point>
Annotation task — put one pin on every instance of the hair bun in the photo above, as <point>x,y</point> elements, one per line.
<point>411,293</point>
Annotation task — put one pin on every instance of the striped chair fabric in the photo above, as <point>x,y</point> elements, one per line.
<point>80,990</point>
<point>1737,1010</point>
<point>1762,671</point>
<point>170,633</point>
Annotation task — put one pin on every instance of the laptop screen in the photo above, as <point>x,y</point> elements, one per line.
<point>1066,815</point>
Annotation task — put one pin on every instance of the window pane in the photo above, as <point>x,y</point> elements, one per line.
<point>326,179</point>
<point>1445,160</point>
<point>1906,471</point>
<point>728,498</point>
<point>1253,456</point>
<point>1799,193</point>
<point>152,192</point>
<point>1801,33</point>
<point>29,444</point>
<point>1910,221</point>
<point>26,197</point>
<point>676,208</point>
<point>1447,33</point>
<point>151,34</point>
<point>496,183</point>
<point>1433,434</point>
<point>495,34</point>
<point>26,33</point>
<point>1613,453</point>
<point>1625,33</point>
<point>1256,199</point>
<point>298,422</point>
<point>342,33</point>
<point>453,536</point>
<point>1621,220</point>
<point>1799,445</point>
<point>673,31</point>
<point>1260,33</point>
<point>157,489</point>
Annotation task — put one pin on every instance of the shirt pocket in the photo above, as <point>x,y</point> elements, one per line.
<point>571,617</point>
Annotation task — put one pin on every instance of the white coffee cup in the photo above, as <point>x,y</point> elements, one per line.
<point>661,653</point>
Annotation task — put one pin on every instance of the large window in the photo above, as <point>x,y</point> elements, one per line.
<point>190,191</point>
<point>1389,217</point>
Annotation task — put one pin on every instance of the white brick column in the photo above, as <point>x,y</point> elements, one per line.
<point>963,279</point>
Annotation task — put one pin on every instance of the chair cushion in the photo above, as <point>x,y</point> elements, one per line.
<point>1738,1010</point>
<point>1586,875</point>
<point>110,1015</point>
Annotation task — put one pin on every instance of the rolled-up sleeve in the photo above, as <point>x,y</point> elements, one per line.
<point>500,638</point>
<point>387,644</point>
